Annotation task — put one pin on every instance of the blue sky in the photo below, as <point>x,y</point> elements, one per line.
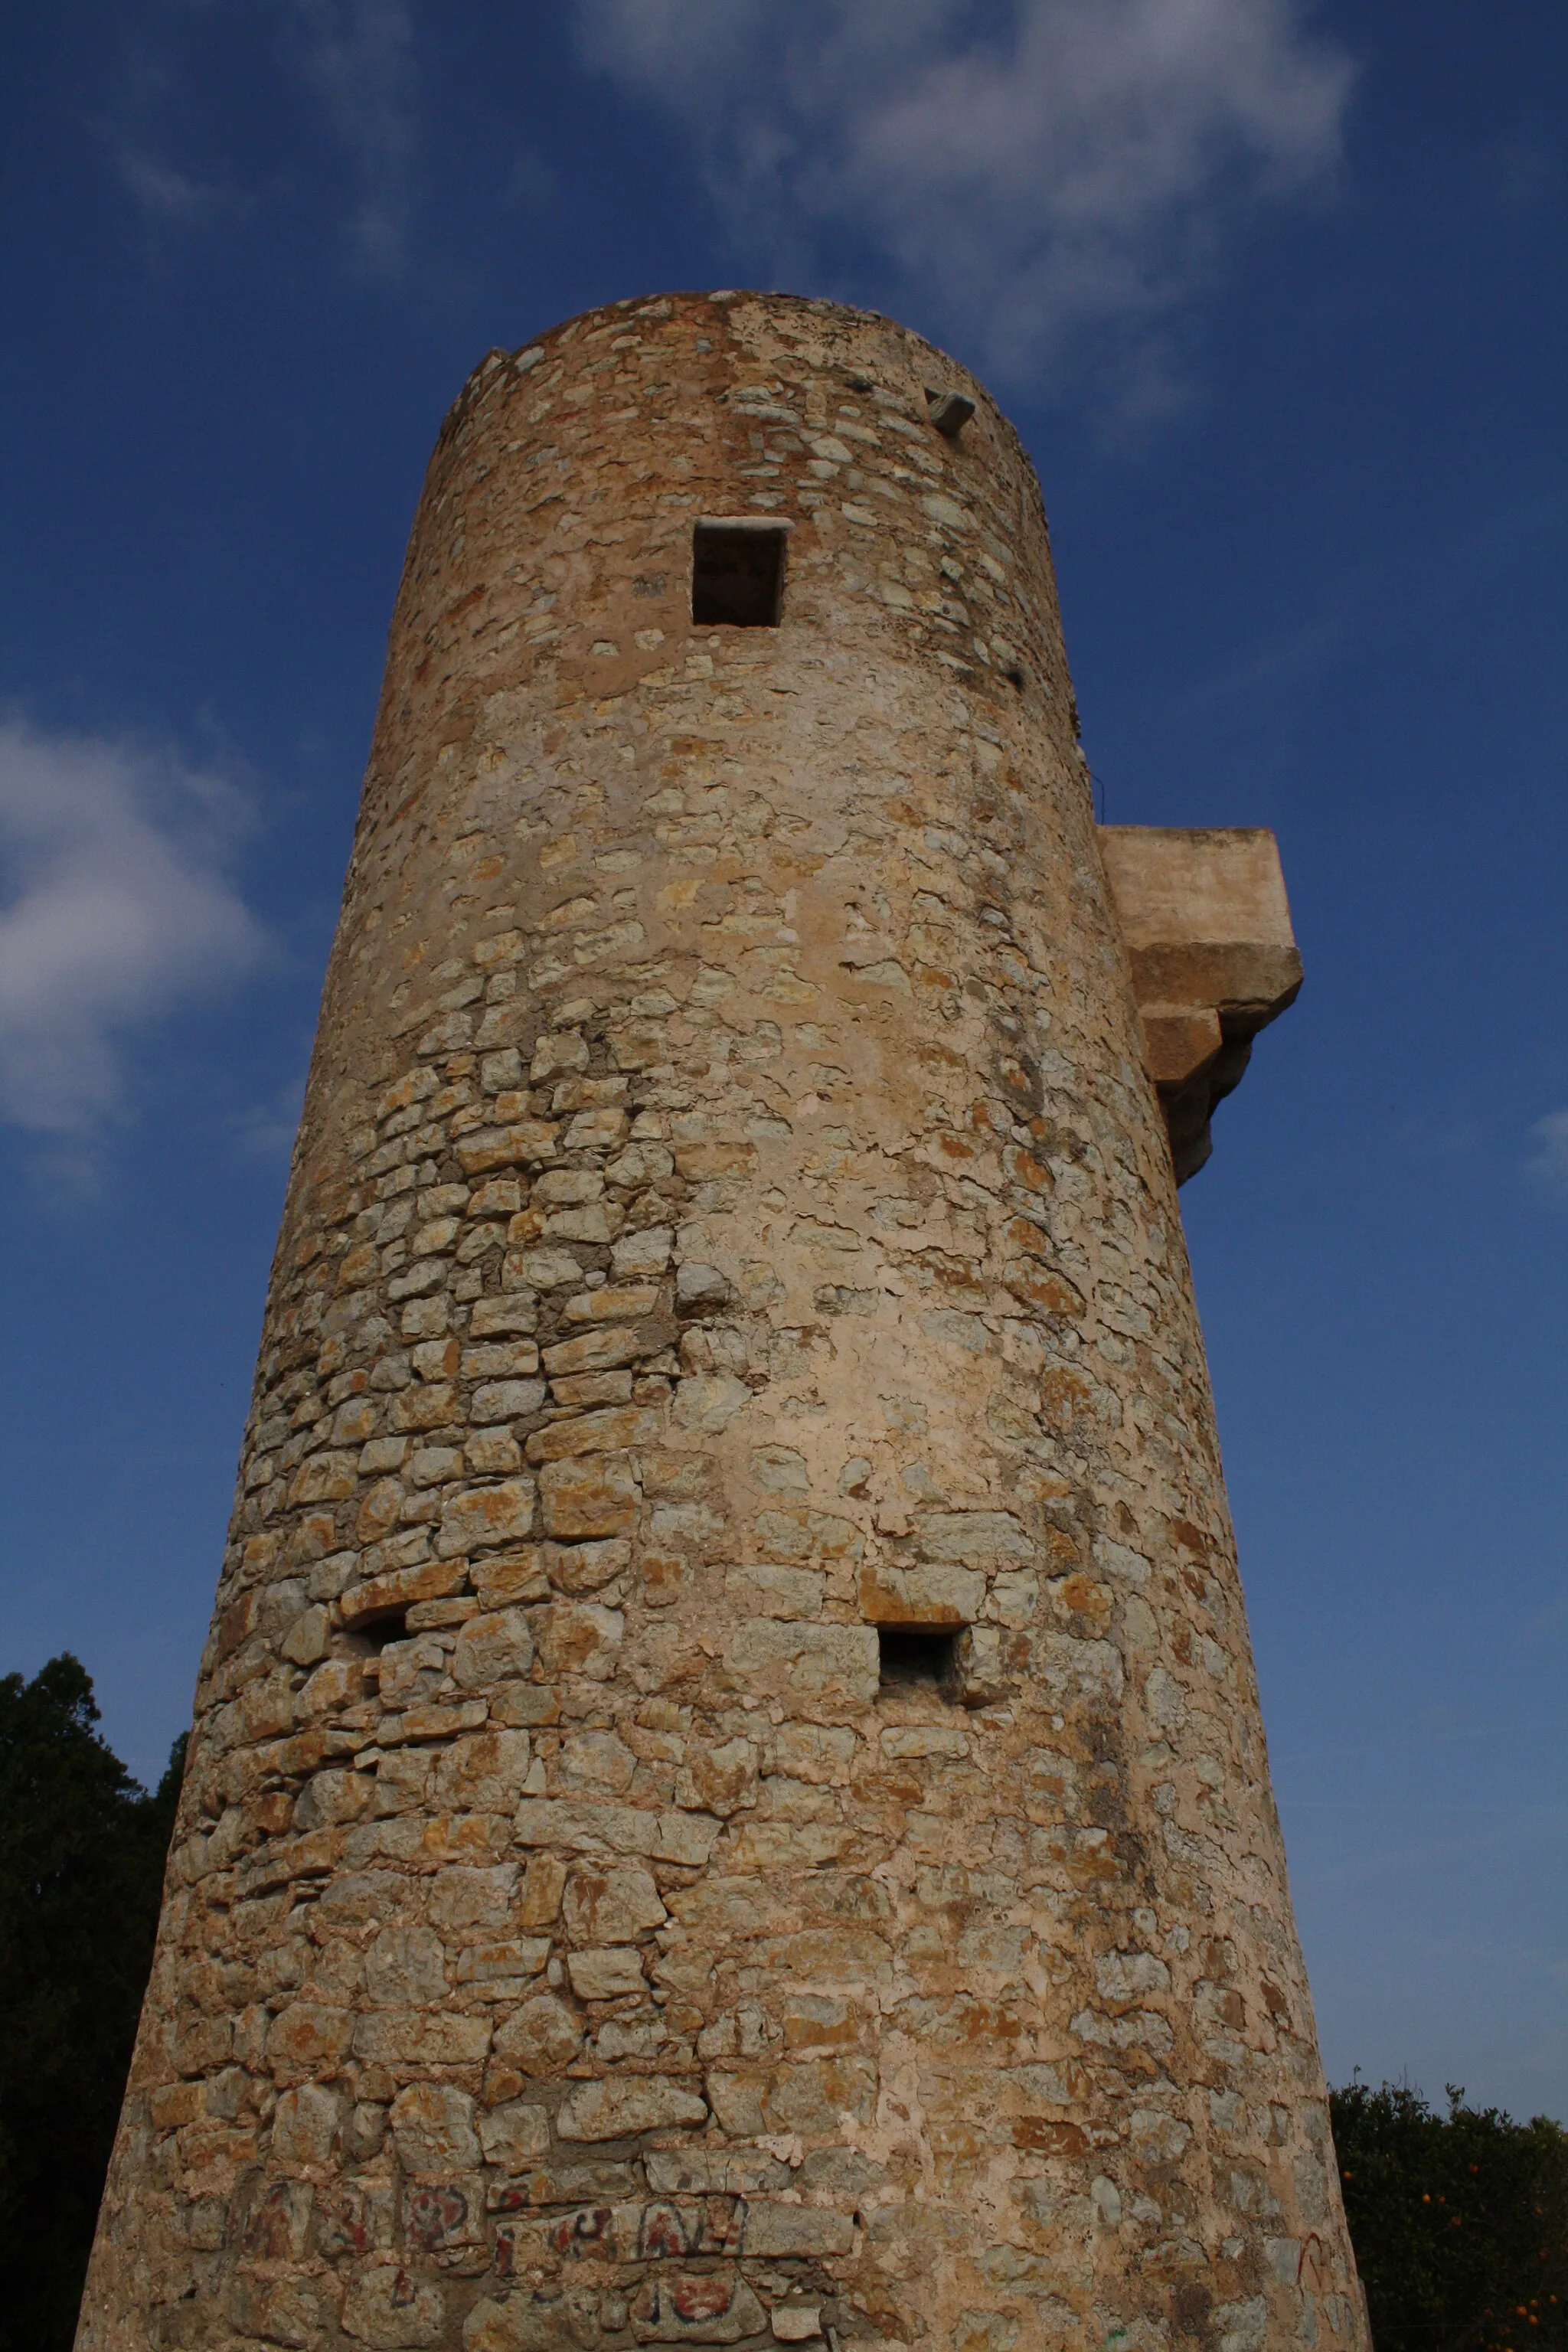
<point>1276,297</point>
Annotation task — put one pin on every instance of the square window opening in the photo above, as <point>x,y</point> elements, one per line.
<point>917,1657</point>
<point>737,575</point>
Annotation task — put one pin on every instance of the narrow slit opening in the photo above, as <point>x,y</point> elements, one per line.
<point>371,1634</point>
<point>736,577</point>
<point>919,1657</point>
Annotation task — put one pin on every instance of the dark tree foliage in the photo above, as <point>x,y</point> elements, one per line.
<point>81,1870</point>
<point>1459,2221</point>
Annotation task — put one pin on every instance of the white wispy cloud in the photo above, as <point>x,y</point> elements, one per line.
<point>115,906</point>
<point>1547,1163</point>
<point>357,57</point>
<point>350,62</point>
<point>169,198</point>
<point>266,1131</point>
<point>1050,178</point>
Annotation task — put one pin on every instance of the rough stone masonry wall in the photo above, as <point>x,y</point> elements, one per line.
<point>730,1213</point>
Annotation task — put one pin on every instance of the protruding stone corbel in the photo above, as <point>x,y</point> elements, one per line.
<point>1207,927</point>
<point>949,411</point>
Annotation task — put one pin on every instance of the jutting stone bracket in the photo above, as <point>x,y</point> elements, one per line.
<point>1214,958</point>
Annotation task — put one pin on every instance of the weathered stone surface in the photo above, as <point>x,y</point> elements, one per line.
<point>611,2110</point>
<point>606,1974</point>
<point>541,2036</point>
<point>500,1579</point>
<point>305,2125</point>
<point>696,2308</point>
<point>833,1664</point>
<point>775,2229</point>
<point>921,1596</point>
<point>727,1798</point>
<point>397,1588</point>
<point>524,2321</point>
<point>597,1495</point>
<point>392,2312</point>
<point>486,1517</point>
<point>611,1907</point>
<point>407,2041</point>
<point>495,1648</point>
<point>406,1965</point>
<point>433,2127</point>
<point>306,2035</point>
<point>796,2323</point>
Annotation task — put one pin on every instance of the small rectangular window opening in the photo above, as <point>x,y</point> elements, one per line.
<point>737,575</point>
<point>376,1633</point>
<point>919,1657</point>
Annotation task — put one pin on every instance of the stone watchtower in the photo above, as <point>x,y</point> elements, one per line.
<point>727,1804</point>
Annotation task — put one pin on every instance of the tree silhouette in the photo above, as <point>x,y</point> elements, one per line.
<point>82,1868</point>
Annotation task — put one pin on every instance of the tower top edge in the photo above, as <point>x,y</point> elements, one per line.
<point>799,311</point>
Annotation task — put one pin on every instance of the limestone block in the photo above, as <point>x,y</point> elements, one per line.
<point>406,1965</point>
<point>579,1637</point>
<point>597,1760</point>
<point>514,2136</point>
<point>606,1974</point>
<point>389,1594</point>
<point>500,1577</point>
<point>788,1592</point>
<point>921,1596</point>
<point>699,2307</point>
<point>497,1648</point>
<point>486,1517</point>
<point>462,1900</point>
<point>507,1400</point>
<point>593,1496</point>
<point>387,2310</point>
<point>587,1567</point>
<point>305,2125</point>
<point>611,2110</point>
<point>609,1906</point>
<point>973,1538</point>
<point>404,2039</point>
<point>433,2127</point>
<point>485,1773</point>
<point>307,2034</point>
<point>720,1779</point>
<point>796,2323</point>
<point>783,1660</point>
<point>775,2228</point>
<point>541,2036</point>
<point>503,1966</point>
<point>283,2311</point>
<point>607,1432</point>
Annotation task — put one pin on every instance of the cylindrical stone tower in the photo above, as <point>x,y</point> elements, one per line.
<point>728,1803</point>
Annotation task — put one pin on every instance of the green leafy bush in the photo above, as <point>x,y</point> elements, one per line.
<point>1459,2221</point>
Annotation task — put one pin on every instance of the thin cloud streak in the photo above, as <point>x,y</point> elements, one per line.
<point>1054,179</point>
<point>266,1129</point>
<point>349,62</point>
<point>169,198</point>
<point>1391,602</point>
<point>1547,1164</point>
<point>358,59</point>
<point>114,907</point>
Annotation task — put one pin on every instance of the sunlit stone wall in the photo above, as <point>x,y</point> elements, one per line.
<point>727,1802</point>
